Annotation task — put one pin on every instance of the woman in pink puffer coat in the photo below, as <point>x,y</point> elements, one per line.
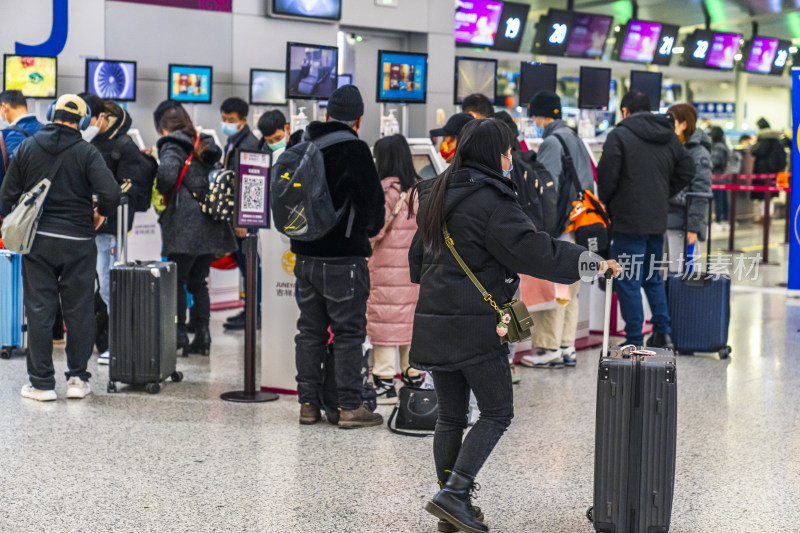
<point>393,298</point>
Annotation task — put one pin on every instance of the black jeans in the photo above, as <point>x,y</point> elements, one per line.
<point>491,383</point>
<point>192,273</point>
<point>59,268</point>
<point>331,292</point>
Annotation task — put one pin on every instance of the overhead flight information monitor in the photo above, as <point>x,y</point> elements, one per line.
<point>766,55</point>
<point>710,49</point>
<point>535,77</point>
<point>512,27</point>
<point>322,10</point>
<point>477,21</point>
<point>35,76</point>
<point>311,71</point>
<point>402,77</point>
<point>594,88</point>
<point>570,33</point>
<point>648,83</point>
<point>475,76</point>
<point>115,80</point>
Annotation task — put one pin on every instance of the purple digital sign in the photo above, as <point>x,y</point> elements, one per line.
<point>252,205</point>
<point>589,35</point>
<point>476,21</point>
<point>641,42</point>
<point>723,50</point>
<point>205,5</point>
<point>762,55</point>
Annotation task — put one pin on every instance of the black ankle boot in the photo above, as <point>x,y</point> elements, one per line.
<point>446,527</point>
<point>183,342</point>
<point>660,340</point>
<point>201,344</point>
<point>453,505</point>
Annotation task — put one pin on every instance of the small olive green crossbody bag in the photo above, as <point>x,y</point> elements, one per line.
<point>514,322</point>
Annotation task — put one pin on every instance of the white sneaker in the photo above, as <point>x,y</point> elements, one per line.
<point>32,393</point>
<point>544,359</point>
<point>104,358</point>
<point>77,388</point>
<point>569,357</point>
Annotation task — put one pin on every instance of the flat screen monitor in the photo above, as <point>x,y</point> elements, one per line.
<point>535,77</point>
<point>477,21</point>
<point>402,77</point>
<point>311,71</point>
<point>512,27</point>
<point>589,35</point>
<point>424,166</point>
<point>648,83</point>
<point>723,50</point>
<point>190,84</point>
<point>641,42</point>
<point>666,42</point>
<point>552,32</point>
<point>594,88</point>
<point>475,76</point>
<point>323,10</point>
<point>766,55</point>
<point>35,76</point>
<point>114,80</point>
<point>696,48</point>
<point>267,87</point>
<point>344,79</point>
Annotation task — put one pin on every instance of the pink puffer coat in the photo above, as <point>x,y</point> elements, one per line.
<point>393,298</point>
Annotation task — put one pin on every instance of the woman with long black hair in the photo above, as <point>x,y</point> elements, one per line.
<point>455,329</point>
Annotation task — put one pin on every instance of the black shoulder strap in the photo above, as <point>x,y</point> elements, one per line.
<point>571,172</point>
<point>334,138</point>
<point>16,128</point>
<point>400,432</point>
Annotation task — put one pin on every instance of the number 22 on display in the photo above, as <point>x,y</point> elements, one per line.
<point>701,49</point>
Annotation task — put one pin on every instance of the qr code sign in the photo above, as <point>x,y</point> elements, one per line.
<point>253,194</point>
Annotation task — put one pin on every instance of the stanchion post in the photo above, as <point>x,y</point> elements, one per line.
<point>767,221</point>
<point>732,215</point>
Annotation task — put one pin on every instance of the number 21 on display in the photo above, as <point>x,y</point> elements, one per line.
<point>666,46</point>
<point>559,34</point>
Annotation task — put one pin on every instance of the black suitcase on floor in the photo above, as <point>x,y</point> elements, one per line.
<point>700,305</point>
<point>635,438</point>
<point>143,319</point>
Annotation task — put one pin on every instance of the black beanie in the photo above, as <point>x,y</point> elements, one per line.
<point>346,103</point>
<point>545,104</point>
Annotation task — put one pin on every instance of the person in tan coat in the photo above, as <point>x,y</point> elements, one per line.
<point>393,298</point>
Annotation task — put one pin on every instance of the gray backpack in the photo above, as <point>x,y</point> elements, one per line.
<point>302,207</point>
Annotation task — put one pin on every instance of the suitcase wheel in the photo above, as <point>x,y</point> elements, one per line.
<point>590,514</point>
<point>5,353</point>
<point>112,387</point>
<point>153,388</point>
<point>725,352</point>
<point>176,377</point>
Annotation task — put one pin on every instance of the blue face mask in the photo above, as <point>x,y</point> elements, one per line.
<point>539,131</point>
<point>507,173</point>
<point>229,130</point>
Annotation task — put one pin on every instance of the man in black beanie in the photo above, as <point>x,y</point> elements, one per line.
<point>332,276</point>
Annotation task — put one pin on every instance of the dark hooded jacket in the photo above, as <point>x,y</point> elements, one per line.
<point>185,229</point>
<point>770,157</point>
<point>133,170</point>
<point>643,165</point>
<point>67,210</point>
<point>699,146</point>
<point>453,326</point>
<point>352,176</point>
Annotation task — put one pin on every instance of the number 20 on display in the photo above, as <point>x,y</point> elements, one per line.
<point>559,34</point>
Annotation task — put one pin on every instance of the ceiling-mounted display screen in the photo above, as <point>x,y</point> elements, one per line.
<point>594,88</point>
<point>311,71</point>
<point>512,26</point>
<point>402,77</point>
<point>35,76</point>
<point>666,42</point>
<point>569,33</point>
<point>710,49</point>
<point>477,21</point>
<point>190,83</point>
<point>766,55</point>
<point>323,10</point>
<point>589,35</point>
<point>267,87</point>
<point>648,83</point>
<point>115,80</point>
<point>535,77</point>
<point>475,76</point>
<point>641,41</point>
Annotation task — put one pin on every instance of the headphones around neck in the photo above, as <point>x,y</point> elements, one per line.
<point>82,124</point>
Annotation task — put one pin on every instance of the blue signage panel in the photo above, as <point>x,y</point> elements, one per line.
<point>794,235</point>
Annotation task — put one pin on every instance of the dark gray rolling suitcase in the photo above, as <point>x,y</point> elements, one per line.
<point>143,320</point>
<point>635,438</point>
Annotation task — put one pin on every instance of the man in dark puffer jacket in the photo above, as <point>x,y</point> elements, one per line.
<point>332,276</point>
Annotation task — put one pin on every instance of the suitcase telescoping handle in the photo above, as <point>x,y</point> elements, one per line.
<point>122,232</point>
<point>609,276</point>
<point>689,196</point>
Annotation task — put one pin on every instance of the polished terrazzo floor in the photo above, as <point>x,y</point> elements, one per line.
<point>184,461</point>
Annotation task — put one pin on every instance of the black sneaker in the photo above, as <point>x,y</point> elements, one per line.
<point>387,394</point>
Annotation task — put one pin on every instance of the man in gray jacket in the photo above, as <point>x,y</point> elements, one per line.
<point>556,328</point>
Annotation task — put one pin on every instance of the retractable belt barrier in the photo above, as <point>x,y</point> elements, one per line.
<point>770,183</point>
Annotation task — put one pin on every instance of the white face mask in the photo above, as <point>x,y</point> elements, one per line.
<point>90,133</point>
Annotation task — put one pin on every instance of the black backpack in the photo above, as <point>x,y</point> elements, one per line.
<point>302,207</point>
<point>537,193</point>
<point>140,190</point>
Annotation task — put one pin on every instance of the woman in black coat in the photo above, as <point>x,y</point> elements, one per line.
<point>191,239</point>
<point>455,334</point>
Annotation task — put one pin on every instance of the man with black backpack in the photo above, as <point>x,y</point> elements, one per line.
<point>565,157</point>
<point>134,171</point>
<point>17,126</point>
<point>331,268</point>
